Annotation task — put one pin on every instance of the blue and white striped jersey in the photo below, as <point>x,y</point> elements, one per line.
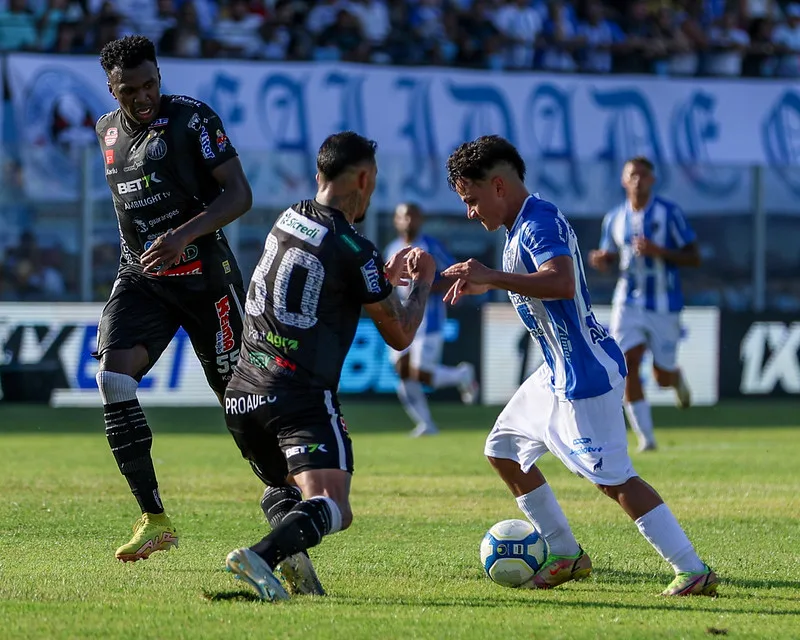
<point>435,310</point>
<point>648,283</point>
<point>585,361</point>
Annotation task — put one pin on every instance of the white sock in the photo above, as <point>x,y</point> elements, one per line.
<point>542,509</point>
<point>336,513</point>
<point>661,529</point>
<point>641,420</point>
<point>412,397</point>
<point>449,376</point>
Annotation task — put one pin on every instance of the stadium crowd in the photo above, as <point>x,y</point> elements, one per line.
<point>664,37</point>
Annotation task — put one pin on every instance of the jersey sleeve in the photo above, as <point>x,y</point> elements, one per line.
<point>207,137</point>
<point>607,242</point>
<point>544,236</point>
<point>364,269</point>
<point>682,234</point>
<point>441,256</point>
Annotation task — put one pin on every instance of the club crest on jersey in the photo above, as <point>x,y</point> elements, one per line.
<point>372,276</point>
<point>111,136</point>
<point>301,227</point>
<point>225,340</point>
<point>156,149</point>
<point>194,122</point>
<point>141,225</point>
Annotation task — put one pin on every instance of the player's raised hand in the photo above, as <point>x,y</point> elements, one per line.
<point>601,259</point>
<point>470,271</point>
<point>397,268</point>
<point>421,265</point>
<point>165,251</point>
<point>463,288</point>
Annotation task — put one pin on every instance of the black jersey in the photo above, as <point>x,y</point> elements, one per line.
<point>304,301</point>
<point>160,177</point>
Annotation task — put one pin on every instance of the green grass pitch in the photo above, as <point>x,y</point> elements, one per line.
<point>409,565</point>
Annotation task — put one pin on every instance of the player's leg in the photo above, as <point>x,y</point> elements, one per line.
<point>430,371</point>
<point>411,393</point>
<point>630,331</point>
<point>248,418</point>
<point>667,329</point>
<point>602,457</point>
<point>319,453</point>
<point>512,448</point>
<point>134,317</point>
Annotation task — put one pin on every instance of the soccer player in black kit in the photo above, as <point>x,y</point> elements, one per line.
<point>301,315</point>
<point>176,180</point>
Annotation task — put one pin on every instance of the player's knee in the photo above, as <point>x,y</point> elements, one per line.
<point>608,490</point>
<point>116,387</point>
<point>347,515</point>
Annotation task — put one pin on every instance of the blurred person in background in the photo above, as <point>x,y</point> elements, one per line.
<point>761,59</point>
<point>237,31</point>
<point>728,45</point>
<point>600,38</point>
<point>18,30</point>
<point>56,13</point>
<point>787,42</point>
<point>521,26</point>
<point>421,362</point>
<point>559,39</point>
<point>185,38</point>
<point>650,239</point>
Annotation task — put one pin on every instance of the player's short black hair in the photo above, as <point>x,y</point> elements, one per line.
<point>127,53</point>
<point>343,150</point>
<point>473,160</point>
<point>642,160</point>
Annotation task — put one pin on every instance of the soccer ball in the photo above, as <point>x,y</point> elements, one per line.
<point>512,551</point>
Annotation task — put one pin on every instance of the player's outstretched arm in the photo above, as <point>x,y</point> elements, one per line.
<point>398,320</point>
<point>553,280</point>
<point>686,256</point>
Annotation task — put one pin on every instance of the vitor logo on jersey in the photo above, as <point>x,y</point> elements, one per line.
<point>225,341</point>
<point>770,353</point>
<point>133,186</point>
<point>301,227</point>
<point>205,144</point>
<point>372,277</point>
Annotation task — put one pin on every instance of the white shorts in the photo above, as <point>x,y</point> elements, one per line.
<point>588,435</point>
<point>660,332</point>
<point>425,352</point>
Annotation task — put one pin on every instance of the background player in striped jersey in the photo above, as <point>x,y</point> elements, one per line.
<point>651,239</point>
<point>572,405</point>
<point>421,363</point>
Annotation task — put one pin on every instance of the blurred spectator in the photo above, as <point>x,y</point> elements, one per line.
<point>343,40</point>
<point>787,39</point>
<point>761,59</point>
<point>238,32</point>
<point>521,24</point>
<point>32,273</point>
<point>374,18</point>
<point>322,16</point>
<point>559,39</point>
<point>107,26</point>
<point>728,46</point>
<point>153,25</point>
<point>600,37</point>
<point>56,13</point>
<point>184,39</point>
<point>275,41</point>
<point>18,27</point>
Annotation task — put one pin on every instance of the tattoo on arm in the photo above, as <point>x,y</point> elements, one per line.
<point>409,313</point>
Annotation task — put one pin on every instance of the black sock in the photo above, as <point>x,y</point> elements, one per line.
<point>279,501</point>
<point>302,528</point>
<point>130,439</point>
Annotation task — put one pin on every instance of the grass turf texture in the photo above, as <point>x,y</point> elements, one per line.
<point>409,565</point>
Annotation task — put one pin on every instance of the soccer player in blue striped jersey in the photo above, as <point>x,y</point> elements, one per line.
<point>421,363</point>
<point>651,239</point>
<point>572,405</point>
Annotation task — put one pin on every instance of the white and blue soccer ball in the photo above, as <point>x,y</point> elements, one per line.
<point>512,551</point>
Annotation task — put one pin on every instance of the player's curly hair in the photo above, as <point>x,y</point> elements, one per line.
<point>127,53</point>
<point>343,150</point>
<point>473,160</point>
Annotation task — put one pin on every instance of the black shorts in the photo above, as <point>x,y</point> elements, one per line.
<point>145,311</point>
<point>288,431</point>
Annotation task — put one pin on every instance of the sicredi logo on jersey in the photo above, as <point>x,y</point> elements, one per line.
<point>301,227</point>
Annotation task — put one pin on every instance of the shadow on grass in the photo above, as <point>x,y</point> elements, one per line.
<point>384,416</point>
<point>222,596</point>
<point>615,576</point>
